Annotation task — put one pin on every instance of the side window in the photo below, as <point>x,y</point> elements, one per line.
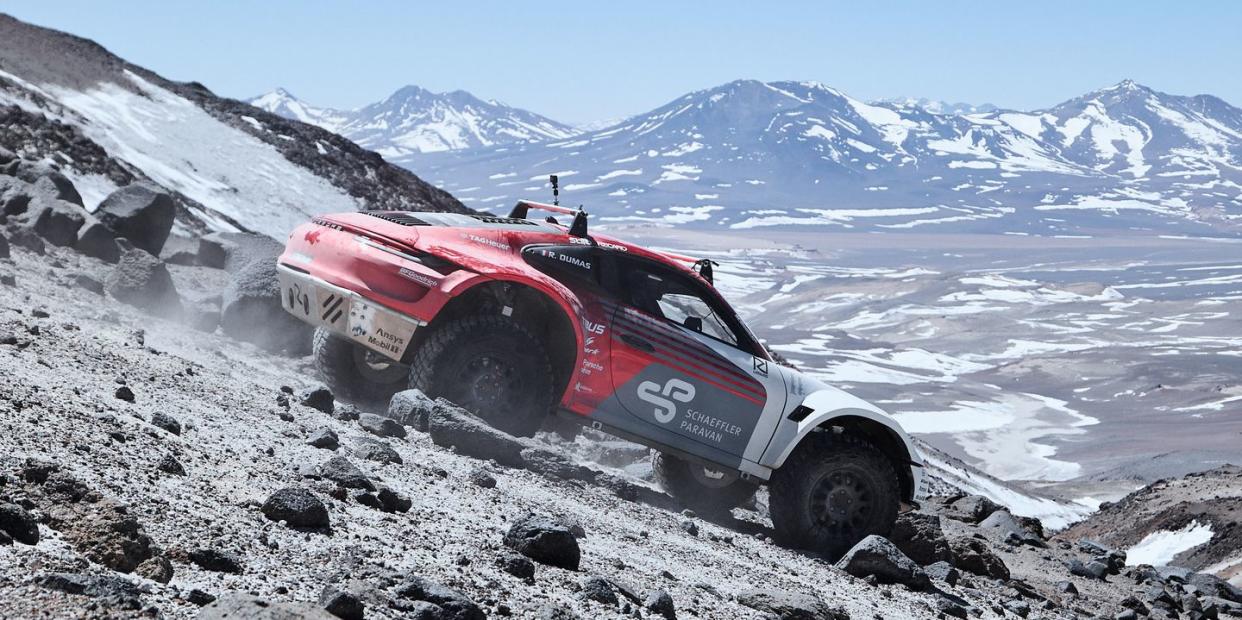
<point>675,298</point>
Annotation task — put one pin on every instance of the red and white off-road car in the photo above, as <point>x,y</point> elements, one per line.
<point>516,319</point>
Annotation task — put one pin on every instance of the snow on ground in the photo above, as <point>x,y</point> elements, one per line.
<point>223,168</point>
<point>1053,514</point>
<point>1159,548</point>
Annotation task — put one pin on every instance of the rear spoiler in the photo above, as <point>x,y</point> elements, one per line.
<point>523,207</point>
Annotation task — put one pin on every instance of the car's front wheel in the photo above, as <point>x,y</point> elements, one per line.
<point>701,488</point>
<point>491,366</point>
<point>355,373</point>
<point>832,492</point>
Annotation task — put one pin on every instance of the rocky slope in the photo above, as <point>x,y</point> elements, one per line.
<point>105,123</point>
<point>159,459</point>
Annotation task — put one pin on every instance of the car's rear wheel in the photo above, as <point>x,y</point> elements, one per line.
<point>701,488</point>
<point>491,366</point>
<point>355,373</point>
<point>832,492</point>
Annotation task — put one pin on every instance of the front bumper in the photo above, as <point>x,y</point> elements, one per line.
<point>346,313</point>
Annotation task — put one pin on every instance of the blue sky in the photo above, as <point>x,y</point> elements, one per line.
<point>583,61</point>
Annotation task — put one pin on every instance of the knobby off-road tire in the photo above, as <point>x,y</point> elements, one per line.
<point>695,486</point>
<point>491,366</point>
<point>832,492</point>
<point>355,374</point>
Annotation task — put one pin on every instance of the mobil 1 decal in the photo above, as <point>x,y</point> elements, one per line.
<point>691,407</point>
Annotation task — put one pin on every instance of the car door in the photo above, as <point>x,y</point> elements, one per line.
<point>684,371</point>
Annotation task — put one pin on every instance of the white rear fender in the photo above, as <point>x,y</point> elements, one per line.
<point>830,407</point>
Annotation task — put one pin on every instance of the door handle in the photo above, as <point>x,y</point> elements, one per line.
<point>637,343</point>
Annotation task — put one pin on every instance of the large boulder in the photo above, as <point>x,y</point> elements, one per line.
<point>58,186</point>
<point>920,537</point>
<point>297,508</point>
<point>449,604</point>
<point>142,281</point>
<point>971,508</point>
<point>452,426</point>
<point>876,555</point>
<point>1003,526</point>
<point>411,408</point>
<point>98,241</point>
<point>251,311</point>
<point>973,555</point>
<point>55,220</point>
<point>233,250</point>
<point>19,524</point>
<point>246,607</point>
<point>141,214</point>
<point>544,540</point>
<point>787,605</point>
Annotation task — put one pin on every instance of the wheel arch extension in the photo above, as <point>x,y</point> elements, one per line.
<point>873,427</point>
<point>540,311</point>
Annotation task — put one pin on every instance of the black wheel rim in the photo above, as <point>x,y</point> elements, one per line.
<point>843,503</point>
<point>485,383</point>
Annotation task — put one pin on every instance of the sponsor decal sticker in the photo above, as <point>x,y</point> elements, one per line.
<point>761,366</point>
<point>423,279</point>
<point>666,397</point>
<point>499,245</point>
<point>593,328</point>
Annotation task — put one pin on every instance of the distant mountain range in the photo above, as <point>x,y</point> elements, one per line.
<point>415,120</point>
<point>750,154</point>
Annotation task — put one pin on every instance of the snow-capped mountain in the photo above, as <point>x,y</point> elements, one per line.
<point>939,107</point>
<point>107,123</point>
<point>749,154</point>
<point>283,103</point>
<point>416,120</point>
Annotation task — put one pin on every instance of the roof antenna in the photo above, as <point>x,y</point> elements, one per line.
<point>556,190</point>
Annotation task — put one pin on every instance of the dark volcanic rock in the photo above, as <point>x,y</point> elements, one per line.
<point>544,540</point>
<point>516,565</point>
<point>170,465</point>
<point>973,556</point>
<point>787,605</point>
<point>124,393</point>
<point>457,428</point>
<point>233,251</point>
<point>554,465</point>
<point>340,470</point>
<point>166,422</point>
<point>98,241</point>
<point>55,185</point>
<point>4,248</point>
<point>411,408</point>
<point>318,397</point>
<point>251,311</point>
<point>216,560</point>
<point>89,283</point>
<point>296,507</point>
<point>1003,526</point>
<point>112,591</point>
<point>481,478</point>
<point>943,571</point>
<point>876,555</point>
<point>19,524</point>
<point>246,607</point>
<point>56,221</point>
<point>324,439</point>
<point>142,281</point>
<point>1090,570</point>
<point>660,604</point>
<point>342,604</point>
<point>971,508</point>
<point>157,569</point>
<point>392,501</point>
<point>375,450</point>
<point>454,604</point>
<point>921,538</point>
<point>379,425</point>
<point>141,214</point>
<point>598,589</point>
